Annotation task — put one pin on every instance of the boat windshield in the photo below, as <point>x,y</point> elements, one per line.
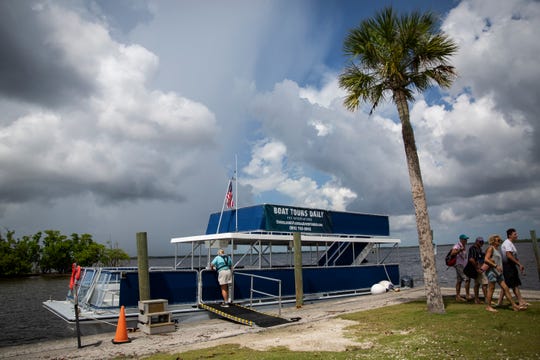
<point>106,292</point>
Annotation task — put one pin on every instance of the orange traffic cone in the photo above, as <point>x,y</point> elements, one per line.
<point>121,329</point>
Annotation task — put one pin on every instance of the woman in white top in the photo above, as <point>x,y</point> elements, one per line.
<point>494,273</point>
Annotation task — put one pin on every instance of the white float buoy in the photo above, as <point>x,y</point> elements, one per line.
<point>377,289</point>
<point>387,285</point>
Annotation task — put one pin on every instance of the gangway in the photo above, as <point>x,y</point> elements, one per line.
<point>244,315</point>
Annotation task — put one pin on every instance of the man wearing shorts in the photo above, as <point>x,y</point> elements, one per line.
<point>476,258</point>
<point>511,265</point>
<point>223,265</point>
<point>461,260</point>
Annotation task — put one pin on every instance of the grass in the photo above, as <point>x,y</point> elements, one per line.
<point>408,331</point>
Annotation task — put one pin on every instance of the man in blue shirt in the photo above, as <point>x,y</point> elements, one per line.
<point>223,264</point>
<point>475,261</point>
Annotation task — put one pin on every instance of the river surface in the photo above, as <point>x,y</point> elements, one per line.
<point>23,320</point>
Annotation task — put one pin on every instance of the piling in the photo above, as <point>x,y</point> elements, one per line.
<point>535,249</point>
<point>298,281</point>
<point>142,261</point>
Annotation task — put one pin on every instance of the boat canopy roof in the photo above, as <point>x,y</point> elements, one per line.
<point>277,223</point>
<point>282,238</point>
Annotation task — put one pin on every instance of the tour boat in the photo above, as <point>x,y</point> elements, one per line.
<point>340,257</point>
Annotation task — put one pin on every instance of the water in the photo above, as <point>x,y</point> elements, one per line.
<point>23,320</point>
<point>409,260</point>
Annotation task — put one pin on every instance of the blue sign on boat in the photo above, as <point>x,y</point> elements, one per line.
<point>279,218</point>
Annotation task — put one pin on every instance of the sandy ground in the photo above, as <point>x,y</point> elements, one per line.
<point>318,329</point>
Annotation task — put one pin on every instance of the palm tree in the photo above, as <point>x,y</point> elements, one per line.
<point>399,55</point>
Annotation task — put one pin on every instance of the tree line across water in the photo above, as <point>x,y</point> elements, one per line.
<point>52,252</point>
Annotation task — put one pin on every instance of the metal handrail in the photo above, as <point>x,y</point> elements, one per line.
<point>252,290</point>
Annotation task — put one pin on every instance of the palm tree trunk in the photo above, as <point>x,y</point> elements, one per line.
<point>433,291</point>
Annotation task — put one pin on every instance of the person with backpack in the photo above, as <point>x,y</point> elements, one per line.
<point>223,265</point>
<point>460,252</point>
<point>473,269</point>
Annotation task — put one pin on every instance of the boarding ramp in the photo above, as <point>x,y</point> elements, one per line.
<point>245,316</point>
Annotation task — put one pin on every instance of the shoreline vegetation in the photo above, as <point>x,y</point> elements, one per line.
<point>50,252</point>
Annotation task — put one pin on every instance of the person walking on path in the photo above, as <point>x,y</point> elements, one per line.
<point>494,273</point>
<point>475,261</point>
<point>511,266</point>
<point>223,265</point>
<point>461,260</point>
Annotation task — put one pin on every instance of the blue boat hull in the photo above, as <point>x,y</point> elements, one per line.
<point>182,286</point>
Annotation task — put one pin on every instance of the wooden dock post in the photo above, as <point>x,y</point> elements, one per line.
<point>535,249</point>
<point>142,261</point>
<point>298,281</point>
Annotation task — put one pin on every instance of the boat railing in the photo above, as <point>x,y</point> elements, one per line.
<point>334,252</point>
<point>162,268</point>
<point>255,291</point>
<point>394,247</point>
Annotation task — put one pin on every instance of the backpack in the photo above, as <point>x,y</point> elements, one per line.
<point>450,259</point>
<point>226,262</point>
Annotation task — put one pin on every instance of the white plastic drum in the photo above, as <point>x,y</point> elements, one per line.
<point>378,289</point>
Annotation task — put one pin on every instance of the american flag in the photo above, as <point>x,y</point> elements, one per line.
<point>229,196</point>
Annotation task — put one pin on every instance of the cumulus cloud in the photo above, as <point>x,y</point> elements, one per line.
<point>268,171</point>
<point>497,57</point>
<point>475,150</point>
<point>96,136</point>
<point>359,152</point>
<point>34,67</point>
<point>122,141</point>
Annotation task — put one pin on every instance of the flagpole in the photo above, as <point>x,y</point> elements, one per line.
<point>222,208</point>
<point>236,190</point>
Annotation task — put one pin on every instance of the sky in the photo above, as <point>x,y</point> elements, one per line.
<point>119,117</point>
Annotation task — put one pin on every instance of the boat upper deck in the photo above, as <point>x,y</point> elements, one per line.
<point>275,224</point>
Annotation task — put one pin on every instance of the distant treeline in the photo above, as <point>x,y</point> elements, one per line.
<point>51,252</point>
